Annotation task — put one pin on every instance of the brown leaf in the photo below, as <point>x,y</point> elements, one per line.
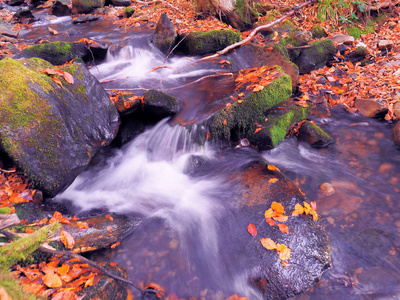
<point>67,239</point>
<point>68,78</point>
<point>65,295</point>
<point>63,269</point>
<point>58,81</point>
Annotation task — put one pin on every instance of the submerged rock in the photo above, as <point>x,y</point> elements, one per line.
<point>159,105</point>
<point>314,135</point>
<point>200,43</point>
<point>52,131</point>
<point>57,53</point>
<point>371,108</point>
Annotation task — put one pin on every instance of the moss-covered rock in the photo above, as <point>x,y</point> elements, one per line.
<point>318,32</point>
<point>251,55</point>
<point>52,131</point>
<point>297,38</point>
<point>61,8</point>
<point>57,53</point>
<point>128,12</point>
<point>164,35</point>
<point>242,118</point>
<point>314,135</point>
<point>315,57</point>
<point>200,43</point>
<point>86,6</point>
<point>159,105</point>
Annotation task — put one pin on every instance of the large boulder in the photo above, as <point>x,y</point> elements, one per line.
<point>86,6</point>
<point>61,8</point>
<point>248,116</point>
<point>51,127</point>
<point>57,53</point>
<point>252,55</point>
<point>164,35</point>
<point>204,42</point>
<point>314,57</point>
<point>159,105</point>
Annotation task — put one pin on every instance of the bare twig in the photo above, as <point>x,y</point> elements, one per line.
<point>170,52</point>
<point>154,1</point>
<point>202,78</point>
<point>256,30</point>
<point>135,89</point>
<point>111,80</point>
<point>299,47</point>
<point>8,171</point>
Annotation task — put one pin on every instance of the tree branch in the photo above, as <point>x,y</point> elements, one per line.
<point>256,30</point>
<point>154,1</point>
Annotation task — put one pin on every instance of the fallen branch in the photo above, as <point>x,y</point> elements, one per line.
<point>8,220</point>
<point>202,78</point>
<point>256,30</point>
<point>154,1</point>
<point>159,67</point>
<point>8,171</point>
<point>299,47</point>
<point>170,52</point>
<point>135,89</point>
<point>111,80</point>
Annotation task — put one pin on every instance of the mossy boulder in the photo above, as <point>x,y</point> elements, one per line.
<point>159,105</point>
<point>242,119</point>
<point>204,42</point>
<point>57,53</point>
<point>165,35</point>
<point>318,32</point>
<point>128,12</point>
<point>51,131</point>
<point>86,6</point>
<point>314,135</point>
<point>315,57</point>
<point>121,2</point>
<point>61,8</point>
<point>252,55</point>
<point>297,38</point>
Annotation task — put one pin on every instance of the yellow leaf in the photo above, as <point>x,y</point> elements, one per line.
<point>272,180</point>
<point>298,210</point>
<point>268,244</point>
<point>284,251</point>
<point>277,207</point>
<point>67,239</point>
<point>269,213</point>
<point>52,280</point>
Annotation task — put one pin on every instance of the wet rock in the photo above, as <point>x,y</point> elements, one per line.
<point>342,39</point>
<point>57,53</point>
<point>200,43</point>
<point>23,16</point>
<point>51,132</point>
<point>396,106</point>
<point>128,12</point>
<point>128,103</point>
<point>357,54</point>
<point>165,35</point>
<point>15,2</point>
<point>371,108</point>
<point>193,163</point>
<point>314,135</point>
<point>84,19</point>
<point>61,8</point>
<point>121,2</point>
<point>256,116</point>
<point>84,7</point>
<point>131,126</point>
<point>385,45</point>
<point>396,134</point>
<point>315,57</point>
<point>321,108</point>
<point>107,287</point>
<point>326,189</point>
<point>258,185</point>
<point>7,29</point>
<point>297,38</point>
<point>159,105</point>
<point>252,55</point>
<point>318,32</point>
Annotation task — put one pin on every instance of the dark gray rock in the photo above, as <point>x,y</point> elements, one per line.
<point>128,12</point>
<point>121,2</point>
<point>23,16</point>
<point>165,35</point>
<point>57,53</point>
<point>84,19</point>
<point>7,29</point>
<point>61,8</point>
<point>314,135</point>
<point>159,105</point>
<point>315,57</point>
<point>84,7</point>
<point>15,2</point>
<point>51,131</point>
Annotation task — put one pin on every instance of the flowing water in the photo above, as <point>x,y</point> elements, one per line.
<point>182,243</point>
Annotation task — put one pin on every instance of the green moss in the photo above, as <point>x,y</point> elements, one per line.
<point>323,46</point>
<point>318,32</point>
<point>14,288</point>
<point>279,130</point>
<point>200,42</point>
<point>63,48</point>
<point>5,210</point>
<point>288,26</point>
<point>20,249</point>
<point>356,32</point>
<point>246,13</point>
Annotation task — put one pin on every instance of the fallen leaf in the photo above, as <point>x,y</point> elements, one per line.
<point>68,78</point>
<point>278,207</point>
<point>280,218</point>
<point>285,263</point>
<point>269,213</point>
<point>52,280</point>
<point>298,210</point>
<point>63,269</point>
<point>109,229</point>
<point>113,264</point>
<point>283,228</point>
<point>268,244</point>
<point>272,180</point>
<point>82,225</point>
<point>257,130</point>
<point>64,295</point>
<point>252,229</point>
<point>58,81</point>
<point>115,245</point>
<point>109,217</point>
<point>29,230</point>
<point>284,251</point>
<point>67,239</point>
<point>270,222</point>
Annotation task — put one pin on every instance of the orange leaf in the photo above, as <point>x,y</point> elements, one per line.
<point>272,180</point>
<point>280,218</point>
<point>160,290</point>
<point>272,168</point>
<point>284,251</point>
<point>63,269</point>
<point>257,130</point>
<point>52,280</point>
<point>313,205</point>
<point>270,222</point>
<point>89,282</point>
<point>82,225</point>
<point>48,71</point>
<point>29,230</point>
<point>283,228</point>
<point>225,122</point>
<point>285,263</point>
<point>314,214</point>
<point>64,295</point>
<point>258,88</point>
<point>58,81</point>
<point>109,229</point>
<point>277,207</point>
<point>268,244</point>
<point>113,264</point>
<point>269,213</point>
<point>115,245</point>
<point>252,229</point>
<point>67,239</point>
<point>208,135</point>
<point>298,210</point>
<point>68,78</point>
<point>109,217</point>
<point>307,208</point>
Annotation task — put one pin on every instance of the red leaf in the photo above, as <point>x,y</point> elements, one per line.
<point>283,228</point>
<point>257,130</point>
<point>252,229</point>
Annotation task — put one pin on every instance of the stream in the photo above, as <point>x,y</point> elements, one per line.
<point>182,243</point>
